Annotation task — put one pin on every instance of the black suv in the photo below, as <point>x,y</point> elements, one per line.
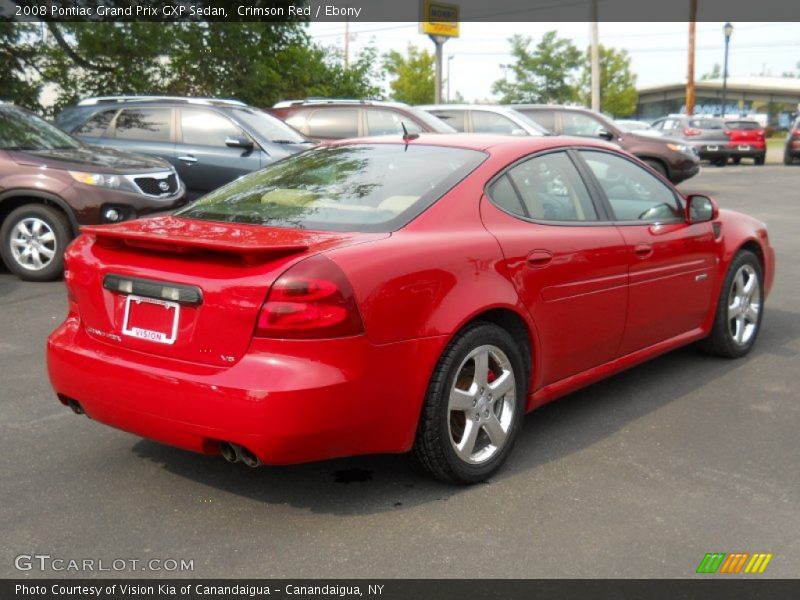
<point>51,184</point>
<point>209,141</point>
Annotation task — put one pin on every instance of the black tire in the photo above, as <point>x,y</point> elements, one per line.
<point>719,162</point>
<point>736,160</point>
<point>788,159</point>
<point>657,166</point>
<point>760,160</point>
<point>434,443</point>
<point>58,225</point>
<point>721,341</point>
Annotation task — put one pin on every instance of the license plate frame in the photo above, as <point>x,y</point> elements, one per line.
<point>149,334</point>
<point>744,147</point>
<point>712,148</point>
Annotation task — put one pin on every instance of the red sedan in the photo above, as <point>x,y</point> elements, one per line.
<point>392,294</point>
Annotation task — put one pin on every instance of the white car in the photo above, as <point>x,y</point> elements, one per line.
<point>485,118</point>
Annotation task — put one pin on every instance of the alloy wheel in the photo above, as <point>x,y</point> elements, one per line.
<point>744,305</point>
<point>33,243</point>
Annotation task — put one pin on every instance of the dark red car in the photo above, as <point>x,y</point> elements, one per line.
<point>392,294</point>
<point>746,139</point>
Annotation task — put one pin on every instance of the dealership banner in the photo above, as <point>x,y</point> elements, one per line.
<point>412,589</point>
<point>393,10</point>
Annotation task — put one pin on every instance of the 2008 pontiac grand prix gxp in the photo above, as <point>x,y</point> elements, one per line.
<point>391,294</point>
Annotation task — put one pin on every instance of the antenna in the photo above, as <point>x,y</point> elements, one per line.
<point>407,137</point>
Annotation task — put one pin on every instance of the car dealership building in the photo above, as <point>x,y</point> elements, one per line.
<point>777,98</point>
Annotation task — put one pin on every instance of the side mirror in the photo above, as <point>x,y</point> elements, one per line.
<point>700,209</point>
<point>605,134</point>
<point>239,141</point>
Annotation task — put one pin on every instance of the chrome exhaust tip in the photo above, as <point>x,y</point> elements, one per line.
<point>228,452</point>
<point>248,458</point>
<point>75,406</point>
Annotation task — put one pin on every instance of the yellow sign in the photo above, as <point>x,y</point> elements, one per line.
<point>439,18</point>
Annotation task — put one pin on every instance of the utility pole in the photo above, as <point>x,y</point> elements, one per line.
<point>690,72</point>
<point>438,41</point>
<point>449,58</point>
<point>346,42</point>
<point>595,59</point>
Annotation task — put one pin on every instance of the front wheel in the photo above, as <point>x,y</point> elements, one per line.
<point>33,239</point>
<point>787,158</point>
<point>739,310</point>
<point>474,406</point>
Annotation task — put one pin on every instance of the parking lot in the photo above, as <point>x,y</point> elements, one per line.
<point>637,476</point>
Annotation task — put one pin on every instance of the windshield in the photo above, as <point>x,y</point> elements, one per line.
<point>269,127</point>
<point>21,130</point>
<point>356,187</point>
<point>435,124</point>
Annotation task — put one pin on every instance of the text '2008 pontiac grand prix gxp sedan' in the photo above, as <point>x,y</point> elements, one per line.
<point>384,295</point>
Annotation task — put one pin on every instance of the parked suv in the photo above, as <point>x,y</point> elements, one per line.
<point>672,158</point>
<point>210,142</point>
<point>706,134</point>
<point>746,139</point>
<point>334,119</point>
<point>51,183</point>
<point>485,118</point>
<point>792,149</point>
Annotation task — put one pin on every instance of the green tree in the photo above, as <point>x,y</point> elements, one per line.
<point>542,75</point>
<point>19,63</point>
<point>618,95</point>
<point>413,75</point>
<point>715,73</point>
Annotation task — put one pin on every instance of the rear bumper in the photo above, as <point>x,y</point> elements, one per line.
<point>286,401</point>
<point>748,150</point>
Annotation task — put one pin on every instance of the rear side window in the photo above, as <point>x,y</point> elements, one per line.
<point>454,118</point>
<point>207,128</point>
<point>487,122</point>
<point>547,188</point>
<point>545,118</point>
<point>389,122</point>
<point>356,187</point>
<point>336,123</point>
<point>144,124</point>
<point>97,125</point>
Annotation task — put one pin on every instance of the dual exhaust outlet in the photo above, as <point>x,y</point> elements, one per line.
<point>235,453</point>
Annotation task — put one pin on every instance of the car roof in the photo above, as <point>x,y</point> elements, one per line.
<point>111,100</point>
<point>337,101</point>
<point>481,141</point>
<point>490,107</point>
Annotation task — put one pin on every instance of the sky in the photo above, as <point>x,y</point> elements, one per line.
<point>658,50</point>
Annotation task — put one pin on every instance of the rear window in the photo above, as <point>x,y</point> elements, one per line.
<point>744,125</point>
<point>707,123</point>
<point>358,187</point>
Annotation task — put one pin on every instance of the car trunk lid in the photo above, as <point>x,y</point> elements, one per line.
<point>182,288</point>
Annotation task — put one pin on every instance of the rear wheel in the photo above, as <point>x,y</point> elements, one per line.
<point>474,406</point>
<point>787,158</point>
<point>739,310</point>
<point>759,160</point>
<point>32,242</point>
<point>736,160</point>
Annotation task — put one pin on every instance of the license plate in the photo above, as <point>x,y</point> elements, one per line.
<point>712,148</point>
<point>151,319</point>
<point>744,148</point>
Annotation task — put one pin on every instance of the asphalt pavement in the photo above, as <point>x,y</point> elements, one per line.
<point>637,476</point>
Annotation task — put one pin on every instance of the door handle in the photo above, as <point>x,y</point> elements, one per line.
<point>539,258</point>
<point>188,158</point>
<point>643,250</point>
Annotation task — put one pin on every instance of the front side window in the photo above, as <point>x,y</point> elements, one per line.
<point>357,187</point>
<point>548,188</point>
<point>389,122</point>
<point>488,122</point>
<point>144,124</point>
<point>633,192</point>
<point>579,124</point>
<point>97,125</point>
<point>335,123</point>
<point>206,128</point>
<point>454,118</point>
<point>21,130</point>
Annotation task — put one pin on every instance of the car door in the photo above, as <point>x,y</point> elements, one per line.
<point>203,158</point>
<point>147,130</point>
<point>566,259</point>
<point>671,262</point>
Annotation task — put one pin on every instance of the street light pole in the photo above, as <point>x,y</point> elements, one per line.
<point>727,30</point>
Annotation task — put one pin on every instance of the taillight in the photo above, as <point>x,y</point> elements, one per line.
<point>760,133</point>
<point>690,131</point>
<point>796,133</point>
<point>311,300</point>
<point>728,132</point>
